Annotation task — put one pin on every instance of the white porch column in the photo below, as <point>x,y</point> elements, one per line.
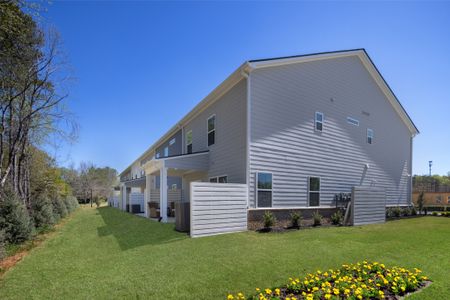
<point>124,197</point>
<point>148,187</point>
<point>163,193</point>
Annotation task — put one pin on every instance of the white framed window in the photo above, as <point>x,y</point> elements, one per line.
<point>369,136</point>
<point>172,141</point>
<point>318,121</point>
<point>448,199</point>
<point>211,129</point>
<point>438,199</point>
<point>264,189</point>
<point>189,142</point>
<point>157,155</point>
<point>352,121</point>
<point>314,191</point>
<point>219,179</point>
<point>166,151</point>
<point>174,186</point>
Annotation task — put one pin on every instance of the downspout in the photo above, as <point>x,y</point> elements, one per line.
<point>246,73</point>
<point>410,170</point>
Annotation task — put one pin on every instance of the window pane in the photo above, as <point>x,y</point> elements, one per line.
<point>264,198</point>
<point>318,126</point>
<point>213,179</point>
<point>314,199</point>
<point>314,184</point>
<point>189,148</point>
<point>264,181</point>
<point>319,117</point>
<point>189,138</point>
<point>223,179</point>
<point>211,123</point>
<point>211,138</point>
<point>166,151</point>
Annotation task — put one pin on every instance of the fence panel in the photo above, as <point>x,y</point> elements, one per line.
<point>218,208</point>
<point>368,205</point>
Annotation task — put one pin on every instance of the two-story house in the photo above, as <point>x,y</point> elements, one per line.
<point>297,130</point>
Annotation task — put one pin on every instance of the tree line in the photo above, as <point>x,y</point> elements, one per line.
<point>35,193</point>
<point>434,183</point>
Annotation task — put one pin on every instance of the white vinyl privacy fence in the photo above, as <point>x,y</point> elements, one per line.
<point>218,208</point>
<point>368,205</point>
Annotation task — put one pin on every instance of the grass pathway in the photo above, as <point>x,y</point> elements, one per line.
<point>107,254</point>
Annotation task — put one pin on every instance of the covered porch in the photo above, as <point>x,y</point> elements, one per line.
<point>164,193</point>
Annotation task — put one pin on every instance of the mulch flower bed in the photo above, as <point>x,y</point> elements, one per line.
<point>366,280</point>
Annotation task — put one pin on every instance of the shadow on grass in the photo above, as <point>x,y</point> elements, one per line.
<point>132,231</point>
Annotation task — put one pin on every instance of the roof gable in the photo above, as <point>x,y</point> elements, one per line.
<point>365,60</point>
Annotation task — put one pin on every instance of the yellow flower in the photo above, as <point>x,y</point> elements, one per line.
<point>268,291</point>
<point>230,297</point>
<point>277,291</point>
<point>336,291</point>
<point>327,296</point>
<point>257,289</point>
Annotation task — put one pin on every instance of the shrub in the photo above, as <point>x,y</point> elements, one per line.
<point>396,212</point>
<point>434,213</point>
<point>2,245</point>
<point>59,208</point>
<point>14,219</point>
<point>71,203</point>
<point>413,211</point>
<point>268,219</point>
<point>406,211</point>
<point>317,218</point>
<point>295,219</point>
<point>420,202</point>
<point>337,218</point>
<point>42,212</point>
<point>98,201</point>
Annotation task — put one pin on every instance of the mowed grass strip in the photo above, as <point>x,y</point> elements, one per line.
<point>108,254</point>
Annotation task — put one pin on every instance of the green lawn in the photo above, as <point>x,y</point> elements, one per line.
<point>105,253</point>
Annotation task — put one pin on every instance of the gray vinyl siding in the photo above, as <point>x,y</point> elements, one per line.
<point>170,181</point>
<point>228,155</point>
<point>174,149</point>
<point>283,103</point>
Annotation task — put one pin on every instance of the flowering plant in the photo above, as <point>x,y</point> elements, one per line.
<point>366,280</point>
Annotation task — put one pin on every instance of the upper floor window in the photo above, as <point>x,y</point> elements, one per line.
<point>166,151</point>
<point>448,200</point>
<point>352,121</point>
<point>369,136</point>
<point>314,191</point>
<point>157,155</point>
<point>264,189</point>
<point>438,199</point>
<point>189,142</point>
<point>318,121</point>
<point>172,141</point>
<point>211,125</point>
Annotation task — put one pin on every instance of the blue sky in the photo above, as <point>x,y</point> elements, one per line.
<point>141,66</point>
